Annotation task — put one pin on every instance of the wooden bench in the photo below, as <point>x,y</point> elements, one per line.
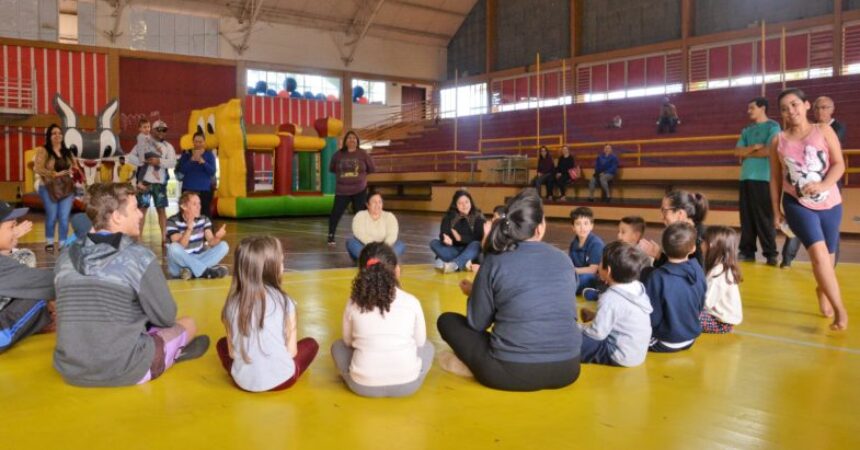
<point>405,189</point>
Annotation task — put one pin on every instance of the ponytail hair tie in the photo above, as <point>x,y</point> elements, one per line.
<point>371,262</point>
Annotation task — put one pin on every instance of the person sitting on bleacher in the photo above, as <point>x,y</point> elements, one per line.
<point>668,119</point>
<point>605,170</point>
<point>545,171</point>
<point>564,169</point>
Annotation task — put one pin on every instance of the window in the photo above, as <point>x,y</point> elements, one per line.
<point>464,100</point>
<point>161,31</point>
<point>374,91</point>
<point>314,84</point>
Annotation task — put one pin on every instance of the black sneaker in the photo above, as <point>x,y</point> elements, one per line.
<point>194,349</point>
<point>771,261</point>
<point>743,257</point>
<point>331,239</point>
<point>214,272</point>
<point>785,264</point>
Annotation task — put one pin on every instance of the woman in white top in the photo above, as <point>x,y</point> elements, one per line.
<point>384,351</point>
<point>373,225</point>
<point>723,308</point>
<point>261,351</point>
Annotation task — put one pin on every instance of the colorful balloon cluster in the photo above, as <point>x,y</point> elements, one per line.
<point>358,95</point>
<point>289,91</point>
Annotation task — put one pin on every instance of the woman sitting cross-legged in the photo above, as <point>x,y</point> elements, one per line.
<point>524,290</point>
<point>460,235</point>
<point>373,225</point>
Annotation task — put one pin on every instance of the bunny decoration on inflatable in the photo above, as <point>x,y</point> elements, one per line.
<point>90,147</point>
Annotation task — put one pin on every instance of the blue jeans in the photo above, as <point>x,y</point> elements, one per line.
<point>178,258</point>
<point>585,280</point>
<point>55,211</point>
<point>459,255</point>
<point>596,352</point>
<point>354,248</point>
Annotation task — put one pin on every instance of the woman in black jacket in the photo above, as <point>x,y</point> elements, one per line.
<point>562,170</point>
<point>460,234</point>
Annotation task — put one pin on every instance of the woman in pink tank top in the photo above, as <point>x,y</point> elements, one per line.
<point>806,162</point>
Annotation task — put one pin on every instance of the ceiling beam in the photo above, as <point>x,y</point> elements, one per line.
<point>428,8</point>
<point>332,23</point>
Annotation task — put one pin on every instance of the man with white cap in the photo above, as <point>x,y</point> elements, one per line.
<point>151,175</point>
<point>24,292</point>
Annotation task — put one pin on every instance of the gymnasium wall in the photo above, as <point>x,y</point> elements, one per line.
<point>525,28</point>
<point>714,16</point>
<point>619,24</point>
<point>467,49</point>
<point>169,90</point>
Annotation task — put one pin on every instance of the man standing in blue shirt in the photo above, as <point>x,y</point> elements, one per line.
<point>604,171</point>
<point>756,215</point>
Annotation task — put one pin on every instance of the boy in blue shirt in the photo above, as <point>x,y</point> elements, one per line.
<point>677,292</point>
<point>585,250</point>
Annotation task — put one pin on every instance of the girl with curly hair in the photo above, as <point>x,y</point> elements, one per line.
<point>384,351</point>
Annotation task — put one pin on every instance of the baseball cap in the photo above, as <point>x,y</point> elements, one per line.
<point>9,212</point>
<point>159,124</point>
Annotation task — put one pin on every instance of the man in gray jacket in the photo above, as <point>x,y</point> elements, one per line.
<point>24,292</point>
<point>117,319</point>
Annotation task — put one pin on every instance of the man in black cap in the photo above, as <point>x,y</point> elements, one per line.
<point>24,292</point>
<point>152,174</point>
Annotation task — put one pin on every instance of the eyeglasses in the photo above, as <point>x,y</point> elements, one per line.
<point>161,129</point>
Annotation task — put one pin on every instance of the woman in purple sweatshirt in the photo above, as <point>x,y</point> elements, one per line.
<point>545,171</point>
<point>350,165</point>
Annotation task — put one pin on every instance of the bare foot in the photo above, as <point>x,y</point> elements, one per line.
<point>824,303</point>
<point>449,362</point>
<point>840,321</point>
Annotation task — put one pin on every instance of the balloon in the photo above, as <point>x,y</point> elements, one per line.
<point>295,94</point>
<point>252,91</point>
<point>309,95</point>
<point>357,93</point>
<point>284,94</point>
<point>261,87</point>
<point>272,93</point>
<point>332,98</point>
<point>320,97</point>
<point>363,100</point>
<point>290,84</point>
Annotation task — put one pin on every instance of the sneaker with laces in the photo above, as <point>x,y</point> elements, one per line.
<point>590,294</point>
<point>330,241</point>
<point>214,272</point>
<point>185,274</point>
<point>439,264</point>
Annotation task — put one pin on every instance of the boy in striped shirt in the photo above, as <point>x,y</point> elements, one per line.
<point>194,250</point>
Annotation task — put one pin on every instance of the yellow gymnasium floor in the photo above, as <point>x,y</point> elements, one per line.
<point>783,380</point>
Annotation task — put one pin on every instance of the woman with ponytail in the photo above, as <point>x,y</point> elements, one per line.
<point>524,290</point>
<point>384,351</point>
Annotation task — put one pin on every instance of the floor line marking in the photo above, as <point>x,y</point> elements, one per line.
<point>853,351</point>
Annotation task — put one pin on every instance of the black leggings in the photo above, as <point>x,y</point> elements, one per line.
<point>359,203</point>
<point>473,348</point>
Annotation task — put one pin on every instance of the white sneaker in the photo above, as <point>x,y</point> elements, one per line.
<point>449,267</point>
<point>439,264</point>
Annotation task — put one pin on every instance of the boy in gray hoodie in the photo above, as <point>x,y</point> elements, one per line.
<point>619,333</point>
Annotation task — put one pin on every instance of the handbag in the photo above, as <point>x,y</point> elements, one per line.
<point>60,187</point>
<point>573,173</point>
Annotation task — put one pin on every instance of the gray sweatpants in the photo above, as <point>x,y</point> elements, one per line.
<point>342,355</point>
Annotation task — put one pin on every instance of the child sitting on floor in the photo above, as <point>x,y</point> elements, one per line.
<point>619,333</point>
<point>261,351</point>
<point>723,308</point>
<point>384,351</point>
<point>585,251</point>
<point>677,292</point>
